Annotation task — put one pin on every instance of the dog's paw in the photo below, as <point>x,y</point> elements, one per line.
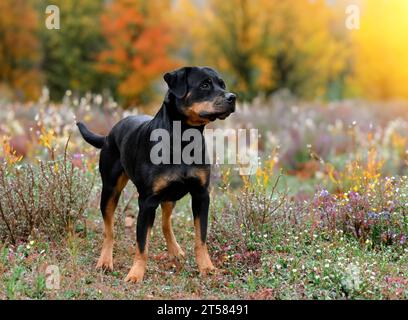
<point>131,278</point>
<point>176,260</point>
<point>105,263</point>
<point>135,274</point>
<point>177,254</point>
<point>207,270</point>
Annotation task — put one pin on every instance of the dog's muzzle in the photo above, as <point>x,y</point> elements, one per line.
<point>224,107</point>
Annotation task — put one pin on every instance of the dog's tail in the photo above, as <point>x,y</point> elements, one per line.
<point>94,139</point>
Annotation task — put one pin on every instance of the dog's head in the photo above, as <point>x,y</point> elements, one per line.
<point>200,95</point>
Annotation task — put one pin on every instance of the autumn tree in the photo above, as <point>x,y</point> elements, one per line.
<point>264,45</point>
<point>140,40</point>
<point>380,46</point>
<point>70,53</point>
<point>19,48</point>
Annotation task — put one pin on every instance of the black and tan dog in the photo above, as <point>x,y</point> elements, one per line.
<point>196,96</point>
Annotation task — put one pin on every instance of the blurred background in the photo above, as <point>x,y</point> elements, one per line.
<point>122,47</point>
<point>324,81</point>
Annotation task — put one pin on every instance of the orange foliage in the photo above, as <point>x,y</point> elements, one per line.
<point>9,154</point>
<point>140,40</point>
<point>19,48</point>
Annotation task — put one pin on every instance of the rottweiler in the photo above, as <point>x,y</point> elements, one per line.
<point>195,97</point>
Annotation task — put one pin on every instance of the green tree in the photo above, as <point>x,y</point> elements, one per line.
<point>264,45</point>
<point>70,52</point>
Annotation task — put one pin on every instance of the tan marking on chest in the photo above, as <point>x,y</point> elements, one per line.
<point>163,181</point>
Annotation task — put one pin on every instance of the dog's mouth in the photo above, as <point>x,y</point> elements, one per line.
<point>212,116</point>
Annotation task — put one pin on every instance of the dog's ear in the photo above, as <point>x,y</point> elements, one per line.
<point>177,81</point>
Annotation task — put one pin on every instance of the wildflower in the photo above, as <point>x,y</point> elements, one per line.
<point>385,215</point>
<point>9,153</point>
<point>324,193</point>
<point>372,215</point>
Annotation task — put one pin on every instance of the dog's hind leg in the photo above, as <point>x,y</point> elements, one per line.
<point>172,245</point>
<point>114,180</point>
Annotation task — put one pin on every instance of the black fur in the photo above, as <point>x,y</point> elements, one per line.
<point>126,149</point>
<point>94,139</point>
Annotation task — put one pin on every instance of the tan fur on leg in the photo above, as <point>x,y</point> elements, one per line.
<point>105,261</point>
<point>172,245</point>
<point>201,252</point>
<point>138,269</point>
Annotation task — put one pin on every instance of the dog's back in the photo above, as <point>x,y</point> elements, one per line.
<point>118,133</point>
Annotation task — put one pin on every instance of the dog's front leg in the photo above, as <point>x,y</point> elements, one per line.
<point>172,246</point>
<point>145,219</point>
<point>200,205</point>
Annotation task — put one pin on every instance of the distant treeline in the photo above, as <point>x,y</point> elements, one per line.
<point>124,46</point>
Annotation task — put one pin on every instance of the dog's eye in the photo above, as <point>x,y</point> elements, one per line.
<point>222,84</point>
<point>206,84</point>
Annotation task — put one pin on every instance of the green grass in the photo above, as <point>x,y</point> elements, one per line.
<point>289,261</point>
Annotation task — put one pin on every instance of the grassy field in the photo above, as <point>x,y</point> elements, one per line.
<point>324,217</point>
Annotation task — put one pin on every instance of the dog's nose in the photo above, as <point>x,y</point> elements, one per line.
<point>230,97</point>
